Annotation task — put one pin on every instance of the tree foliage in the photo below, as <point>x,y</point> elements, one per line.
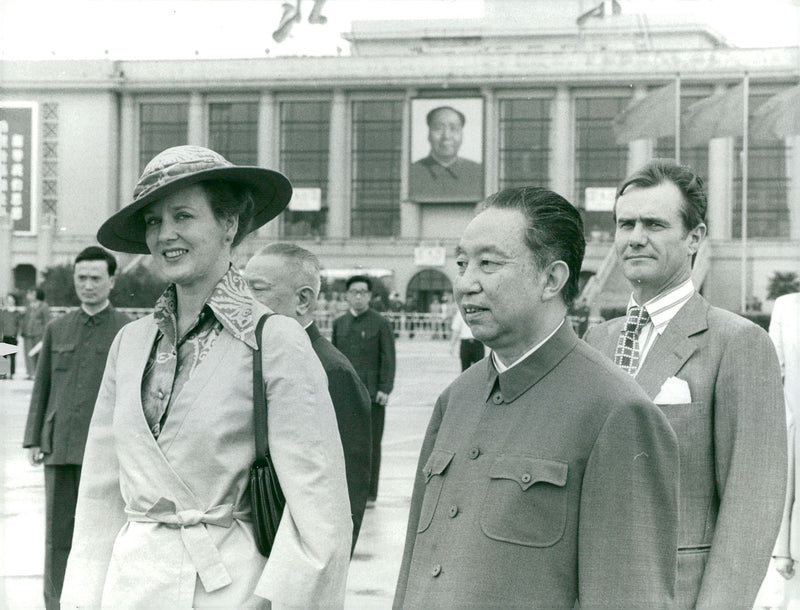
<point>782,283</point>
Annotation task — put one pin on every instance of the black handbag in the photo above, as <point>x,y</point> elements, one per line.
<point>266,496</point>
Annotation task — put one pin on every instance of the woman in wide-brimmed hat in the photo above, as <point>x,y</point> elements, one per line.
<point>163,516</point>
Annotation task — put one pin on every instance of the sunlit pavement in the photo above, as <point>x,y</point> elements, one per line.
<point>424,369</point>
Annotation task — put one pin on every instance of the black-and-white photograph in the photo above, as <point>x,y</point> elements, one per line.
<point>409,304</point>
<point>446,150</point>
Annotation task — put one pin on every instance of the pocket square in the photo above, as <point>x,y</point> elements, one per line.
<point>674,392</point>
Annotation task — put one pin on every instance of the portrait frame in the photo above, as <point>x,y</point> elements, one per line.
<point>462,181</point>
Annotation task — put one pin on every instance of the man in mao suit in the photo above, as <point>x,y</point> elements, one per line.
<point>443,175</point>
<point>34,320</point>
<point>715,376</point>
<point>366,338</point>
<point>285,278</point>
<point>71,365</point>
<point>546,476</point>
<point>784,330</point>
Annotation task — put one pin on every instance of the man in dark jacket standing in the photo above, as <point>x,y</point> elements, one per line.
<point>35,318</point>
<point>286,278</point>
<point>365,337</point>
<point>68,376</point>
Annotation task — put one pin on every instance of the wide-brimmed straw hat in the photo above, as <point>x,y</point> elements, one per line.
<point>179,167</point>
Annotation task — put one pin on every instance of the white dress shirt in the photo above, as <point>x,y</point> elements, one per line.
<point>661,309</point>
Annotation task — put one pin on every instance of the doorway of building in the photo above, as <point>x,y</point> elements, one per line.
<point>427,288</point>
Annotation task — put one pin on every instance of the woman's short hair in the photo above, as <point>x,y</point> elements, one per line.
<point>228,200</point>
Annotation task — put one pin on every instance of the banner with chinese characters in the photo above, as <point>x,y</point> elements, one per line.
<point>18,126</point>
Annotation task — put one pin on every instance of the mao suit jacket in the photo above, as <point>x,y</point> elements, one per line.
<point>71,364</point>
<point>34,320</point>
<point>353,414</point>
<point>368,343</point>
<point>784,330</point>
<point>554,481</point>
<point>431,181</point>
<point>732,439</point>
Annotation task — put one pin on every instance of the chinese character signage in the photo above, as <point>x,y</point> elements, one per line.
<point>18,121</point>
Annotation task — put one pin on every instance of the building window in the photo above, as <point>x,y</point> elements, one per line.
<point>600,161</point>
<point>524,142</point>
<point>161,126</point>
<point>305,129</point>
<point>695,157</point>
<point>233,131</point>
<point>377,134</point>
<point>767,186</point>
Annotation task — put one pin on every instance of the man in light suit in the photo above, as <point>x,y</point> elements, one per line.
<point>285,278</point>
<point>546,475</point>
<point>784,330</point>
<point>715,375</point>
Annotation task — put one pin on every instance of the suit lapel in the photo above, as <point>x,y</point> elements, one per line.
<point>674,347</point>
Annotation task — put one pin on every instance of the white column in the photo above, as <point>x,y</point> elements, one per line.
<point>793,196</point>
<point>338,169</point>
<point>639,151</point>
<point>491,144</point>
<point>6,237</point>
<point>128,161</point>
<point>268,148</point>
<point>562,160</point>
<point>196,133</point>
<point>719,188</point>
<point>410,211</point>
<point>44,245</point>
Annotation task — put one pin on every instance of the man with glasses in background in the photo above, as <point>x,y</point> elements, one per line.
<point>366,338</point>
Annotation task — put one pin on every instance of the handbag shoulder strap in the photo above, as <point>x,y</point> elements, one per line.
<point>259,397</point>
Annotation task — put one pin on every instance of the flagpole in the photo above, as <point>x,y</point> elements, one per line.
<point>678,117</point>
<point>745,146</point>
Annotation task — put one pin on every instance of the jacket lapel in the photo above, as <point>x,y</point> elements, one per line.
<point>193,388</point>
<point>674,347</point>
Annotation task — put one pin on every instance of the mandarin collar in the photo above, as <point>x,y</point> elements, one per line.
<point>86,318</point>
<point>515,381</point>
<point>231,303</point>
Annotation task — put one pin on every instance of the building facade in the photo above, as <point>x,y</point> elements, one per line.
<point>539,103</point>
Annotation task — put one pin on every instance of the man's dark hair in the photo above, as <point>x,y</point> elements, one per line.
<point>39,292</point>
<point>359,278</point>
<point>429,117</point>
<point>96,253</point>
<point>553,232</point>
<point>658,171</point>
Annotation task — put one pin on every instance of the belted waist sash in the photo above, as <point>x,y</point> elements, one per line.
<point>198,542</point>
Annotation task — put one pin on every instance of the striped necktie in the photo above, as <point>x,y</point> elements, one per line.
<point>627,354</point>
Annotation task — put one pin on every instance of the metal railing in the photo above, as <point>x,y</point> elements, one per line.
<point>406,325</point>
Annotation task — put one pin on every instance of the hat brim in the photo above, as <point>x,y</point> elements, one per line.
<point>125,230</point>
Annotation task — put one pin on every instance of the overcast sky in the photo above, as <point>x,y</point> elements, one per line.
<point>184,29</point>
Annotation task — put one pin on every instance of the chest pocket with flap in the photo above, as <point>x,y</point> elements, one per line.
<point>433,471</point>
<point>526,500</point>
<point>63,353</point>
